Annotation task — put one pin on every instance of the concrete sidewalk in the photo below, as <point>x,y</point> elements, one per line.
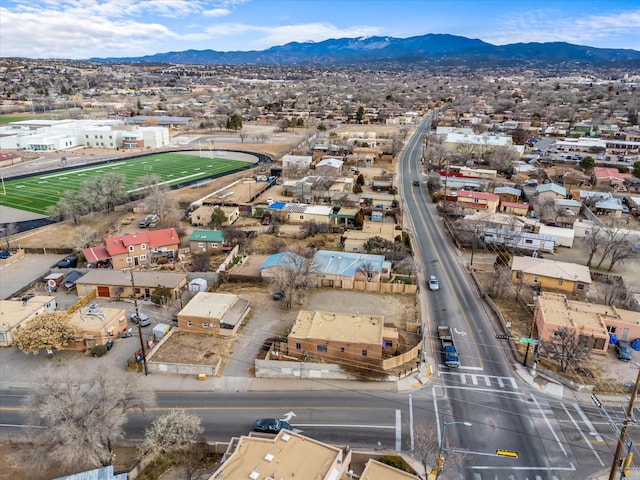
<point>17,372</point>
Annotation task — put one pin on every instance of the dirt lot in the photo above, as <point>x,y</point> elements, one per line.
<point>187,347</point>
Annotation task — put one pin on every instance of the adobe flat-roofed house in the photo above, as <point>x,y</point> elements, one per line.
<point>342,269</point>
<point>287,455</point>
<point>340,336</point>
<point>550,274</point>
<point>14,313</point>
<point>355,239</point>
<point>98,326</point>
<point>213,313</point>
<point>142,248</point>
<point>593,322</point>
<point>201,216</point>
<point>206,241</point>
<point>477,201</point>
<point>117,284</point>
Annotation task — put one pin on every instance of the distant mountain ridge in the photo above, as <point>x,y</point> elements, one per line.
<point>431,47</point>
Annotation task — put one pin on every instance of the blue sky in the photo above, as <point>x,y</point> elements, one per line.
<point>80,29</point>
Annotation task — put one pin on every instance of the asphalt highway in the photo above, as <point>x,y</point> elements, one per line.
<point>482,392</point>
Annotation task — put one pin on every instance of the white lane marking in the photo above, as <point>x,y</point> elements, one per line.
<point>494,390</point>
<point>584,437</point>
<point>572,468</point>
<point>340,425</point>
<point>553,432</point>
<point>435,410</point>
<point>462,367</point>
<point>586,421</point>
<point>398,431</point>
<point>411,422</point>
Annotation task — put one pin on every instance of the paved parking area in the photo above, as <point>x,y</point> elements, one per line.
<point>25,271</point>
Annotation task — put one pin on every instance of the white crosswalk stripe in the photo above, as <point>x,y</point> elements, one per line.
<point>463,378</point>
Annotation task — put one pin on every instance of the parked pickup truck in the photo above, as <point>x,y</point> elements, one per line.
<point>449,352</point>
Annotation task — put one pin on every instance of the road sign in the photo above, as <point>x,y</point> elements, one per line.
<point>526,340</point>
<point>504,337</point>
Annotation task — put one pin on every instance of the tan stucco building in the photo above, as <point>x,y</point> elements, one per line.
<point>117,284</point>
<point>550,274</point>
<point>287,455</point>
<point>213,313</point>
<point>340,336</point>
<point>354,240</point>
<point>593,322</point>
<point>14,313</point>
<point>98,326</point>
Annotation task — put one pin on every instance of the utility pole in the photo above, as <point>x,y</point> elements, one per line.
<point>139,322</point>
<point>623,431</point>
<point>446,177</point>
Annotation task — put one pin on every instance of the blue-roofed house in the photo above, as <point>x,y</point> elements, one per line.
<point>103,473</point>
<point>342,269</point>
<point>508,194</point>
<point>550,190</point>
<point>283,260</point>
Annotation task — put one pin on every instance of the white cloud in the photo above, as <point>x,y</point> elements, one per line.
<point>216,12</point>
<point>594,30</point>
<point>77,34</point>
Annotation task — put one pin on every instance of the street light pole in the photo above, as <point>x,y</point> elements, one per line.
<point>623,431</point>
<point>440,465</point>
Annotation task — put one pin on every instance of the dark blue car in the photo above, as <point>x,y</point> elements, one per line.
<point>623,350</point>
<point>270,425</point>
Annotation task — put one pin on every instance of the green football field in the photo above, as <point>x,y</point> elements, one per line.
<point>35,194</point>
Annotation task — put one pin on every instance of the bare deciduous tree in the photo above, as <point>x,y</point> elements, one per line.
<point>7,230</point>
<point>83,417</point>
<point>292,276</point>
<point>82,236</point>
<point>610,293</point>
<point>173,432</point>
<point>427,448</point>
<point>618,246</point>
<point>501,159</point>
<point>71,205</point>
<point>200,262</point>
<point>49,330</point>
<point>156,195</point>
<point>566,348</point>
<point>593,240</point>
<point>367,269</point>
